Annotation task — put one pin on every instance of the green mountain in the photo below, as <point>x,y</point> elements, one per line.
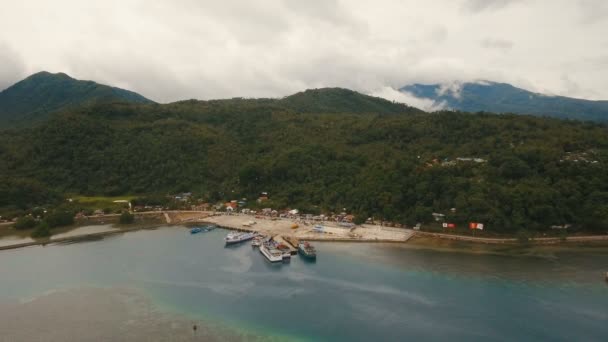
<point>505,98</point>
<point>339,100</point>
<point>507,171</point>
<point>36,97</point>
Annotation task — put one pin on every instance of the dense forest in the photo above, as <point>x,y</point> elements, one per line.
<point>318,152</point>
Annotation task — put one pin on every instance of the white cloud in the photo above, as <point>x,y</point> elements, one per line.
<point>407,98</point>
<point>175,49</point>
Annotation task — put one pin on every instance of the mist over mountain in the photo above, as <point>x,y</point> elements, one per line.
<point>504,98</point>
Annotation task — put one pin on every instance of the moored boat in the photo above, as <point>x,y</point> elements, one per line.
<point>271,252</point>
<point>307,250</point>
<point>233,238</point>
<point>257,241</point>
<point>196,230</point>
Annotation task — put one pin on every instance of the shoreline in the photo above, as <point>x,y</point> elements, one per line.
<point>283,228</point>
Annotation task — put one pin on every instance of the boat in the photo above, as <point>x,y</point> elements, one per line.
<point>271,252</point>
<point>233,238</point>
<point>257,241</point>
<point>307,250</point>
<point>203,229</point>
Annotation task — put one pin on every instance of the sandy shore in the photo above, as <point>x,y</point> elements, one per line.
<point>93,314</point>
<point>332,231</point>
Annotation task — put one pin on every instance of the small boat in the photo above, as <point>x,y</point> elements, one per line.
<point>196,230</point>
<point>307,250</point>
<point>233,238</point>
<point>257,241</point>
<point>271,252</point>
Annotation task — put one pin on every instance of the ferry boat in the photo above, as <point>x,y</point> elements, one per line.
<point>233,238</point>
<point>270,252</point>
<point>307,250</point>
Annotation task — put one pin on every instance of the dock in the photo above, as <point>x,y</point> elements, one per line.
<point>293,250</point>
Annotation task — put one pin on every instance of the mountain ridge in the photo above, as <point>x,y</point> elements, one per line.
<point>39,95</point>
<point>488,96</point>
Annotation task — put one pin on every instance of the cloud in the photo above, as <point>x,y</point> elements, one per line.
<point>483,5</point>
<point>496,43</point>
<point>408,98</point>
<point>170,50</point>
<point>593,11</point>
<point>11,66</point>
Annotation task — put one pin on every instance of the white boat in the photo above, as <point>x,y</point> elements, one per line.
<point>233,238</point>
<point>270,252</point>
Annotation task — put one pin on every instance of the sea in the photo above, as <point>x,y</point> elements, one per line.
<point>353,292</point>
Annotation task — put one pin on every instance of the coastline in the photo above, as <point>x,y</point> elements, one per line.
<point>283,228</point>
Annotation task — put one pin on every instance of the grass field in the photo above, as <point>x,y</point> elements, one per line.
<point>101,202</point>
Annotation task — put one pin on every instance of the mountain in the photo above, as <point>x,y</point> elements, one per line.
<point>511,172</point>
<point>339,100</point>
<point>36,97</point>
<point>505,98</point>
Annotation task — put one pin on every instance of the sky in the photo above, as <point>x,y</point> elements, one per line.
<point>171,50</point>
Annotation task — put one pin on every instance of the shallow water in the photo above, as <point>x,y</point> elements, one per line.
<point>353,292</point>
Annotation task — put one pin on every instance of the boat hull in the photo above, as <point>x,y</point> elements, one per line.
<point>243,238</point>
<point>269,256</point>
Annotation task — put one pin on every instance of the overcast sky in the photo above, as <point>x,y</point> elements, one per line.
<point>169,50</point>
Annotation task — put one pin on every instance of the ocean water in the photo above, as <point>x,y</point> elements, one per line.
<point>353,292</point>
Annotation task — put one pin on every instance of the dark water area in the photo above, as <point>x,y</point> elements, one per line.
<point>353,292</point>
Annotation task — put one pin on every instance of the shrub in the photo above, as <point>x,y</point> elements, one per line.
<point>42,230</point>
<point>58,218</point>
<point>523,237</point>
<point>126,218</point>
<point>25,222</point>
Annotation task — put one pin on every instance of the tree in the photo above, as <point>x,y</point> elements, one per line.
<point>25,222</point>
<point>41,231</point>
<point>126,218</point>
<point>59,218</point>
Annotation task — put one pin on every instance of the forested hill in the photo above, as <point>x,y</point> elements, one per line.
<point>507,171</point>
<point>36,97</point>
<point>339,100</point>
<point>505,98</point>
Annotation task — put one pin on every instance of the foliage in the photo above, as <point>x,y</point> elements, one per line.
<point>126,218</point>
<point>36,97</point>
<point>59,218</point>
<point>402,167</point>
<point>523,236</point>
<point>41,231</point>
<point>25,222</point>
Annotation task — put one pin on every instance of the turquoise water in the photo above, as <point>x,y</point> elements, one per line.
<point>356,292</point>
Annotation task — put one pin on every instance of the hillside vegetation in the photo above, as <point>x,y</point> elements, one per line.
<point>34,98</point>
<point>402,166</point>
